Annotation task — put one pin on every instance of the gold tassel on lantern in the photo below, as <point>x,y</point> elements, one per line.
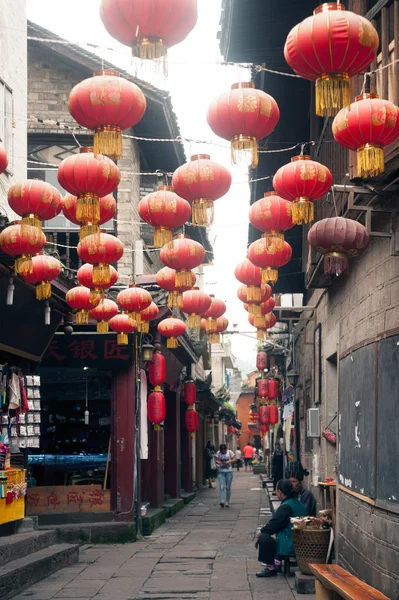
<point>254,309</point>
<point>96,296</point>
<point>259,321</point>
<point>261,335</point>
<point>174,298</point>
<point>108,141</point>
<point>82,317</point>
<point>90,229</point>
<point>157,428</point>
<point>214,338</point>
<point>244,150</point>
<point>211,325</point>
<point>332,94</point>
<point>172,343</point>
<point>102,327</point>
<point>302,211</point>
<point>370,160</point>
<point>122,339</point>
<point>31,221</point>
<point>143,327</point>
<point>274,241</point>
<point>194,321</point>
<point>269,275</point>
<point>203,212</point>
<point>162,236</point>
<point>88,208</point>
<point>23,265</point>
<point>184,279</point>
<point>254,293</point>
<point>43,291</point>
<point>135,316</point>
<point>152,49</point>
<point>101,274</point>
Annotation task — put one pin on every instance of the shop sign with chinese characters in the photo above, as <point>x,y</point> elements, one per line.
<point>64,499</point>
<point>97,351</point>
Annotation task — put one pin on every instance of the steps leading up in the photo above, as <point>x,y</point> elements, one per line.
<point>21,544</point>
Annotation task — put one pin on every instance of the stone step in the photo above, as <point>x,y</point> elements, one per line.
<point>19,574</point>
<point>22,544</point>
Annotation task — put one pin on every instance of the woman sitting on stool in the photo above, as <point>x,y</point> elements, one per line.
<point>271,548</point>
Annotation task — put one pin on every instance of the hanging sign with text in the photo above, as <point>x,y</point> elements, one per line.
<point>97,351</point>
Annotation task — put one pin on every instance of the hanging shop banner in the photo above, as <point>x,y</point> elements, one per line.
<point>96,351</point>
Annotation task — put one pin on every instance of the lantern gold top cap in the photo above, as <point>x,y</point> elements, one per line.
<point>367,96</point>
<point>300,157</point>
<point>267,194</point>
<point>109,72</point>
<point>243,85</point>
<point>200,156</point>
<point>164,188</point>
<point>86,150</point>
<point>327,7</point>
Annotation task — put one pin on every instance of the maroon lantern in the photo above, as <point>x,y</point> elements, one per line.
<point>156,409</point>
<point>264,414</point>
<point>262,389</point>
<point>156,370</point>
<point>192,421</point>
<point>273,414</point>
<point>190,394</point>
<point>272,389</point>
<point>261,360</point>
<point>264,429</point>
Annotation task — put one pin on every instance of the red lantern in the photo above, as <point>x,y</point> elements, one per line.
<point>272,387</point>
<point>243,116</point>
<point>329,47</point>
<point>172,328</point>
<point>261,360</point>
<point>122,324</point>
<point>85,277</point>
<point>88,177</point>
<point>157,370</point>
<point>166,279</point>
<point>262,389</point>
<point>273,414</point>
<point>35,201</point>
<point>134,299</point>
<point>201,182</point>
<point>192,421</point>
<point>3,160</point>
<point>254,416</point>
<point>269,321</point>
<point>366,126</point>
<point>182,254</point>
<point>264,429</point>
<point>302,180</point>
<point>44,269</point>
<point>254,305</point>
<point>101,254</point>
<point>266,308</point>
<point>156,409</point>
<point>272,215</point>
<point>221,325</point>
<point>268,261</point>
<point>103,313</point>
<point>22,243</point>
<point>148,314</point>
<point>338,239</point>
<point>165,211</point>
<point>194,303</point>
<point>150,27</point>
<point>214,312</point>
<point>107,212</point>
<point>190,394</point>
<point>230,429</point>
<point>246,272</point>
<point>264,414</point>
<point>248,431</point>
<point>79,299</point>
<point>107,104</point>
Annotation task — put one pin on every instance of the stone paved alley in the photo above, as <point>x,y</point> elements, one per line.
<point>203,553</point>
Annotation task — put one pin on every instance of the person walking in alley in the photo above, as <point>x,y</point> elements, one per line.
<point>225,459</point>
<point>248,454</point>
<point>275,539</point>
<point>211,471</point>
<point>238,457</point>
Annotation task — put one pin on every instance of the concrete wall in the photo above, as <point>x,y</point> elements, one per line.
<point>13,72</point>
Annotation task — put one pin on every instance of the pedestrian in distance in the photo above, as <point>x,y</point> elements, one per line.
<point>225,459</point>
<point>248,454</point>
<point>211,469</point>
<point>238,457</point>
<point>275,539</point>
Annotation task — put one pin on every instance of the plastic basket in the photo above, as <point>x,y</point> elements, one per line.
<point>311,546</point>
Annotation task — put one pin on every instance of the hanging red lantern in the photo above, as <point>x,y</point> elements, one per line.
<point>329,47</point>
<point>254,417</point>
<point>273,216</point>
<point>254,305</point>
<point>166,279</point>
<point>44,270</point>
<point>190,394</point>
<point>182,254</point>
<point>172,328</point>
<point>243,116</point>
<point>3,160</point>
<point>269,321</point>
<point>103,313</point>
<point>79,299</point>
<point>101,253</point>
<point>201,181</point>
<point>157,370</point>
<point>366,126</point>
<point>272,387</point>
<point>221,326</point>
<point>249,274</point>
<point>85,277</point>
<point>165,211</point>
<point>302,181</point>
<point>35,201</point>
<point>248,431</point>
<point>338,239</point>
<point>22,243</point>
<point>214,312</point>
<point>149,28</point>
<point>261,360</point>
<point>264,414</point>
<point>107,212</point>
<point>88,177</point>
<point>266,308</point>
<point>192,421</point>
<point>122,324</point>
<point>269,261</point>
<point>262,390</point>
<point>264,429</point>
<point>194,303</point>
<point>230,429</point>
<point>108,104</point>
<point>133,300</point>
<point>156,409</point>
<point>273,414</point>
<point>148,314</point>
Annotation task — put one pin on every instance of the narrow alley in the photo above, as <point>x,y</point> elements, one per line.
<point>202,553</point>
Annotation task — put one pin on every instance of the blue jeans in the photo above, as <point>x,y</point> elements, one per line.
<point>225,478</point>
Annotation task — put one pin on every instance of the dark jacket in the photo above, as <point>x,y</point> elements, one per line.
<point>280,525</point>
<point>309,502</point>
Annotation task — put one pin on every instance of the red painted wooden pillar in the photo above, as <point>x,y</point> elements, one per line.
<point>187,455</point>
<point>122,443</point>
<point>172,444</point>
<point>157,491</point>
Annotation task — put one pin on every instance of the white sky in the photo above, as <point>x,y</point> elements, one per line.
<point>194,80</point>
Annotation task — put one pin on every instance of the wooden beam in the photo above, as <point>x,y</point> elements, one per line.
<point>378,6</point>
<point>361,497</point>
<point>385,51</point>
